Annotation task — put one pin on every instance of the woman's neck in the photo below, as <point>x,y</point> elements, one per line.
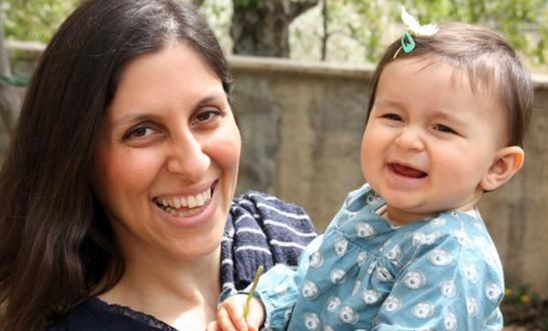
<point>178,292</point>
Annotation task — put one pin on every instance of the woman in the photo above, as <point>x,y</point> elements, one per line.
<point>117,208</point>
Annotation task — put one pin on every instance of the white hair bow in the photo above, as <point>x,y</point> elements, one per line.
<point>414,25</point>
<point>407,41</point>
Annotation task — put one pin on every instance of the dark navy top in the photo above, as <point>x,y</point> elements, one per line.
<point>260,230</point>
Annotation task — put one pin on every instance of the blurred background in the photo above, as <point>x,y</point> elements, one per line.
<point>302,70</point>
<point>350,31</point>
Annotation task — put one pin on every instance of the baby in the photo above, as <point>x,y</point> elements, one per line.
<point>447,117</point>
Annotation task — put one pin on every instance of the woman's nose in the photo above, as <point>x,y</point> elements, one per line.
<point>188,158</point>
<point>410,138</point>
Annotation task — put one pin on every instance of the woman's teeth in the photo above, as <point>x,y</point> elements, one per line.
<point>173,204</point>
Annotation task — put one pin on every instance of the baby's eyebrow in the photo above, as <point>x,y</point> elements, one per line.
<point>449,116</point>
<point>389,103</point>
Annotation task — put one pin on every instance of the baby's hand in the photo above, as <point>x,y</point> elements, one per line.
<point>230,316</point>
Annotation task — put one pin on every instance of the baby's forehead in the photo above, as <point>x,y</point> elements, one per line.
<point>485,83</point>
<point>482,76</point>
<point>481,73</point>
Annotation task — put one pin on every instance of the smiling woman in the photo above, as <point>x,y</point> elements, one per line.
<point>166,161</point>
<point>117,209</point>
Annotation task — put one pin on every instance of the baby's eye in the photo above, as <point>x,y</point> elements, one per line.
<point>392,117</point>
<point>444,128</point>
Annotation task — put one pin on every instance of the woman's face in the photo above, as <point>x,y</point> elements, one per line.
<point>166,162</point>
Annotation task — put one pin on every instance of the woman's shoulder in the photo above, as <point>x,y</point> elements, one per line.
<point>84,317</point>
<point>95,315</point>
<point>80,318</point>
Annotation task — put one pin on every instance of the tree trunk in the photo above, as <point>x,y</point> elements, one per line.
<point>262,28</point>
<point>325,35</point>
<point>9,99</point>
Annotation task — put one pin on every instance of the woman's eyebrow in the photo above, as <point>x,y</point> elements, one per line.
<point>210,97</point>
<point>139,116</point>
<point>134,117</point>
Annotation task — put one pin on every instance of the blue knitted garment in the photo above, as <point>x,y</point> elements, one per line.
<point>261,230</point>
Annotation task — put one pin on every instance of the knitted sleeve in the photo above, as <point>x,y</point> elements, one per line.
<point>261,230</point>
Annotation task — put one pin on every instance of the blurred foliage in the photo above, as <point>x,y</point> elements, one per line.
<point>15,80</point>
<point>247,4</point>
<point>523,307</point>
<point>357,30</point>
<point>34,20</point>
<point>523,22</point>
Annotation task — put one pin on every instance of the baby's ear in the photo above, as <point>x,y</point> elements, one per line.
<point>507,163</point>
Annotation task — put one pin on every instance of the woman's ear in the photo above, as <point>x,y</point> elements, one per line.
<point>507,163</point>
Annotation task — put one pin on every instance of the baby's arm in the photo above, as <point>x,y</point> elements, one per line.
<point>275,297</point>
<point>230,315</point>
<point>279,290</point>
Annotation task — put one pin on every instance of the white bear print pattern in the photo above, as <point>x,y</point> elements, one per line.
<point>333,303</point>
<point>440,257</point>
<point>348,315</point>
<point>365,230</point>
<point>340,246</point>
<point>310,290</point>
<point>427,275</point>
<point>394,253</point>
<point>423,310</point>
<point>316,260</point>
<point>312,321</point>
<point>371,297</point>
<point>447,288</point>
<point>414,280</point>
<point>337,276</point>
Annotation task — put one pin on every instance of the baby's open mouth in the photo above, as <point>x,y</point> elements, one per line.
<point>406,171</point>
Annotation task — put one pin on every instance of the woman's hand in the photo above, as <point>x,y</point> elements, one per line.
<point>230,316</point>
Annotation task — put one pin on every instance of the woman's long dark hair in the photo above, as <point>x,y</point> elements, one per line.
<point>56,241</point>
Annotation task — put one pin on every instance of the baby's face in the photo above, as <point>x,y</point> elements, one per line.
<point>430,140</point>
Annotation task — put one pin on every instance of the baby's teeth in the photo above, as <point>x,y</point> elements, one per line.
<point>184,202</point>
<point>208,194</point>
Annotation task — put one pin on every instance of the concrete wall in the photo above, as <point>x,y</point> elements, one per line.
<point>302,125</point>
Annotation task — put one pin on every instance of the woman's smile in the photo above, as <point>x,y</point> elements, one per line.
<point>188,210</point>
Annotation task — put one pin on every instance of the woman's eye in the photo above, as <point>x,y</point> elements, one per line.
<point>443,128</point>
<point>206,116</point>
<point>139,132</point>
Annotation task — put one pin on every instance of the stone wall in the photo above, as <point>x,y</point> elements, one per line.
<point>302,125</point>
